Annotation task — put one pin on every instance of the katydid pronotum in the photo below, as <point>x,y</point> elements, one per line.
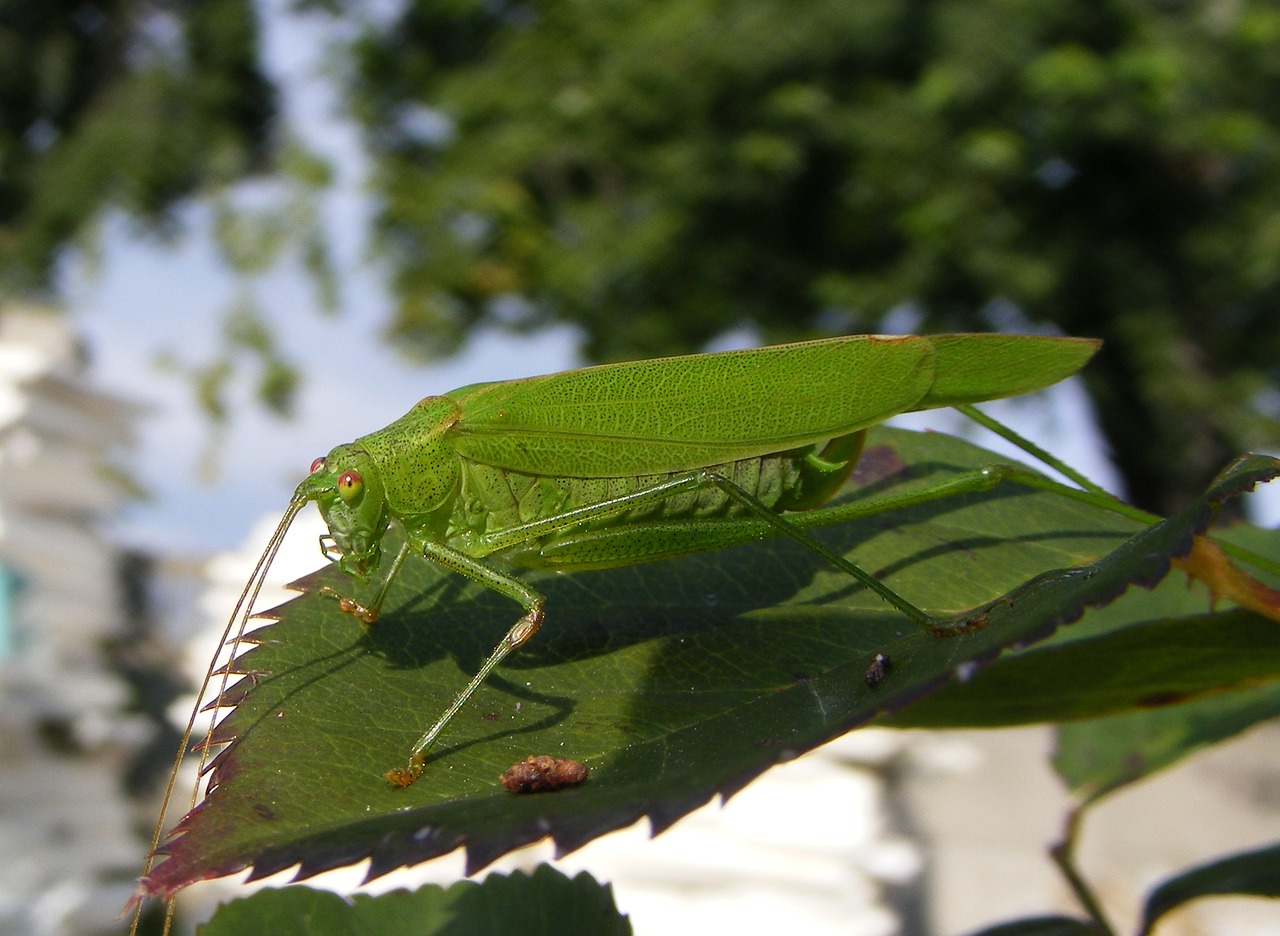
<point>625,463</point>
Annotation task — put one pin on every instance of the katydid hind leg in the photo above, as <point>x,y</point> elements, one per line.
<point>846,450</point>
<point>1026,445</point>
<point>1090,491</point>
<point>783,525</point>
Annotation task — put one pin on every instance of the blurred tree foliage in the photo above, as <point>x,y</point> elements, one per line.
<point>660,171</point>
<point>120,103</point>
<point>137,105</point>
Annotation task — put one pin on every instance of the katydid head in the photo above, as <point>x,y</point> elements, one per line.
<point>347,488</point>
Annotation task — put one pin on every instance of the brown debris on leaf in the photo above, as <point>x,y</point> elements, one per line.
<point>1208,563</point>
<point>543,772</point>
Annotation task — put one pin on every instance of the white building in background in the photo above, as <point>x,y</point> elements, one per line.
<point>67,844</point>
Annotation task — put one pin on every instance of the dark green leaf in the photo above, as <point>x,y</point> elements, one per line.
<point>297,911</point>
<point>673,681</point>
<point>1096,757</point>
<point>1254,874</point>
<point>1152,663</point>
<point>545,903</point>
<point>1042,926</point>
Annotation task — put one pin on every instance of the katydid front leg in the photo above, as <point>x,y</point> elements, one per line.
<point>369,613</point>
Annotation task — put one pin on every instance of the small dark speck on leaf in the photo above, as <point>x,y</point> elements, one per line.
<point>543,772</point>
<point>878,669</point>
<point>265,811</point>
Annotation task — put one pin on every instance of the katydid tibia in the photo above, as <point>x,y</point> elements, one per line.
<point>624,463</point>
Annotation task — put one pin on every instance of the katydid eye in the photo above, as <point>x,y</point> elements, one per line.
<point>350,486</point>
<point>317,465</point>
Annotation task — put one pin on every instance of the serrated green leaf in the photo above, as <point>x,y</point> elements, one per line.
<point>297,911</point>
<point>1176,597</point>
<point>672,681</point>
<point>545,903</point>
<point>1098,756</point>
<point>1254,874</point>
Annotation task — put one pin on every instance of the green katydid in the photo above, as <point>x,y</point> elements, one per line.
<point>622,463</point>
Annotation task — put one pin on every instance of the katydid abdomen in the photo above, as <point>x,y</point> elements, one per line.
<point>493,501</point>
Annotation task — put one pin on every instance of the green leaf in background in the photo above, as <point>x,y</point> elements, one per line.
<point>672,681</point>
<point>545,903</point>
<point>1139,683</point>
<point>1097,757</point>
<point>1144,665</point>
<point>1254,874</point>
